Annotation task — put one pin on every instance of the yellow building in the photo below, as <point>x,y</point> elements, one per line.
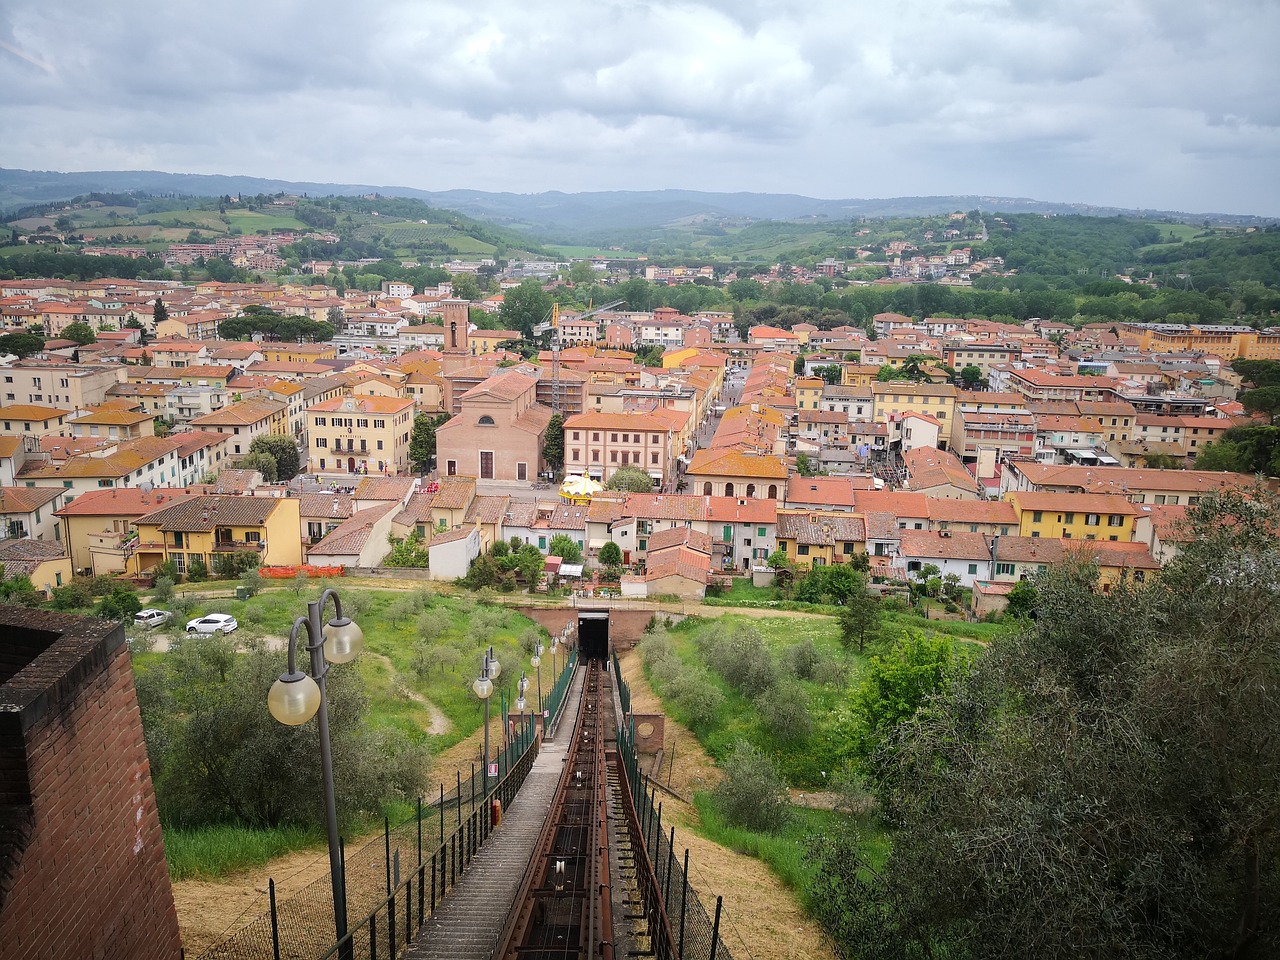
<point>297,352</point>
<point>25,419</point>
<point>813,539</point>
<point>1074,516</point>
<point>809,392</point>
<point>359,435</point>
<point>674,359</point>
<point>211,526</point>
<point>890,400</point>
<point>858,375</point>
<point>47,564</point>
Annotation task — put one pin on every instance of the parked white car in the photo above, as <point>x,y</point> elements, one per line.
<point>152,617</point>
<point>213,623</point>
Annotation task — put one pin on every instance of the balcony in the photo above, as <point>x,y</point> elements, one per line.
<point>231,546</point>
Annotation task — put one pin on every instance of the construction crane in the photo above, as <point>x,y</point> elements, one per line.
<point>552,325</point>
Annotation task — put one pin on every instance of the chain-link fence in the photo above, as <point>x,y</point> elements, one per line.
<point>680,925</point>
<point>392,883</point>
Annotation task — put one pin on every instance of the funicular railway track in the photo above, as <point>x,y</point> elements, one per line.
<point>566,907</point>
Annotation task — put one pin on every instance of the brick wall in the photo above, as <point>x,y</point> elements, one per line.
<point>86,876</point>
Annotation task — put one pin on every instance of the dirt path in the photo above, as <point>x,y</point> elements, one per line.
<point>763,919</point>
<point>439,723</point>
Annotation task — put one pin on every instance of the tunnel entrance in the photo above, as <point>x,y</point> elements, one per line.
<point>593,634</point>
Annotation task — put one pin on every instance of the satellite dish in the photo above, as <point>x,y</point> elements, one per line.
<point>146,486</point>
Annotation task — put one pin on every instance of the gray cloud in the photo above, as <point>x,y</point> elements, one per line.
<point>1132,102</point>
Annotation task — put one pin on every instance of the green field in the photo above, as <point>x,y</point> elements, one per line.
<point>407,235</point>
<point>570,251</point>
<point>399,696</point>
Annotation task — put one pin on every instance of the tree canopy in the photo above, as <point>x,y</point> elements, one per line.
<point>80,332</point>
<point>283,450</point>
<point>525,306</point>
<point>631,480</point>
<point>264,321</point>
<point>553,442</point>
<point>1103,782</point>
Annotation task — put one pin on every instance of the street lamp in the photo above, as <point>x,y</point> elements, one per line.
<point>522,686</point>
<point>297,697</point>
<point>536,662</point>
<point>490,668</point>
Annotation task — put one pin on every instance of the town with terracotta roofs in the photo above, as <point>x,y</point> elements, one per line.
<point>977,451</point>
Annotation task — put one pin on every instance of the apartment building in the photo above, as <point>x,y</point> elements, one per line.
<point>598,444</point>
<point>245,421</point>
<point>200,528</point>
<point>64,385</point>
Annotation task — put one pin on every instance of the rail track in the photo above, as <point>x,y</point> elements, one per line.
<point>565,908</point>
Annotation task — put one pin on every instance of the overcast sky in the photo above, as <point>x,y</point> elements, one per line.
<point>1169,104</point>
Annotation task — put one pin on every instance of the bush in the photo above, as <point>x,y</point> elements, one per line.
<point>251,581</point>
<point>740,656</point>
<point>785,711</point>
<point>162,592</point>
<point>120,604</point>
<point>803,660</point>
<point>752,793</point>
<point>75,595</point>
<point>197,572</point>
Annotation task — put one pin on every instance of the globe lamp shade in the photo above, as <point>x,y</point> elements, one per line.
<point>343,640</point>
<point>483,688</point>
<point>535,661</point>
<point>294,699</point>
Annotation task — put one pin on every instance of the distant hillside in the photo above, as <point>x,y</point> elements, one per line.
<point>564,217</point>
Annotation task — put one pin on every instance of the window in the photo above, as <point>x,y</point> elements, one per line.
<point>846,548</point>
<point>1160,498</point>
<point>803,550</point>
<point>613,456</point>
<point>1037,516</point>
<point>1091,519</point>
<point>322,442</point>
<point>575,435</point>
<point>653,438</point>
<point>1115,520</point>
<point>575,454</point>
<point>379,424</point>
<point>1004,569</point>
<point>485,421</point>
<point>595,456</point>
<point>252,536</point>
<point>973,568</point>
<point>760,532</point>
<point>653,458</point>
<point>322,463</point>
<point>595,438</point>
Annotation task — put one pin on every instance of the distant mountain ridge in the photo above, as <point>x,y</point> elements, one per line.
<point>565,213</point>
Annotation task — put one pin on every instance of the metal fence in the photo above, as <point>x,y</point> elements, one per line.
<point>692,933</point>
<point>392,883</point>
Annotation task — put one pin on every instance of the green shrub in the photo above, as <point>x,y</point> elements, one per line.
<point>784,708</point>
<point>120,604</point>
<point>162,592</point>
<point>752,793</point>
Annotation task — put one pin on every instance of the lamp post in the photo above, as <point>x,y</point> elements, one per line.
<point>490,668</point>
<point>297,697</point>
<point>536,662</point>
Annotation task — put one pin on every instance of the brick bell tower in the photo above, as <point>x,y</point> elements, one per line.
<point>457,318</point>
